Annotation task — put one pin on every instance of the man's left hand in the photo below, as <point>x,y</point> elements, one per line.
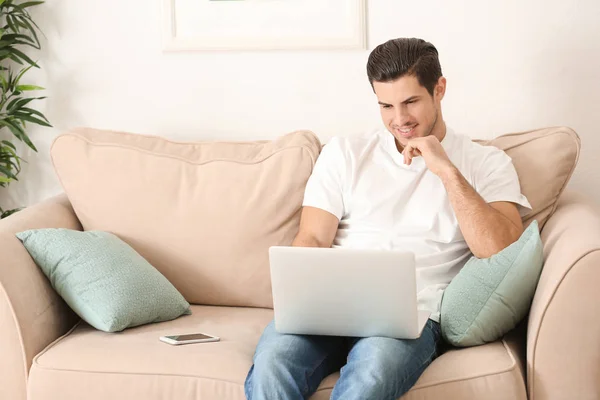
<point>433,153</point>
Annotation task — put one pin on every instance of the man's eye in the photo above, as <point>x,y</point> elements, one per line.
<point>410,102</point>
<point>386,106</point>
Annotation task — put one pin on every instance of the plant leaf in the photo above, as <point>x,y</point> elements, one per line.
<point>25,88</point>
<point>3,82</point>
<point>18,103</point>
<point>34,112</point>
<point>14,104</point>
<point>9,144</point>
<point>19,132</point>
<point>7,172</point>
<point>8,213</point>
<point>30,4</point>
<point>24,56</point>
<point>29,118</point>
<point>11,24</point>
<point>23,71</point>
<point>8,155</point>
<point>17,36</point>
<point>31,28</point>
<point>23,43</point>
<point>15,59</point>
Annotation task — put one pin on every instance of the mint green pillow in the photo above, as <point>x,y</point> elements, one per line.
<point>490,296</point>
<point>107,283</point>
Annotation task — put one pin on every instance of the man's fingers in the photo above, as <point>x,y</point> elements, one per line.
<point>409,152</point>
<point>405,153</point>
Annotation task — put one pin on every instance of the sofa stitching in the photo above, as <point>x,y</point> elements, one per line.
<point>77,132</point>
<point>559,130</point>
<point>141,374</point>
<point>51,345</point>
<point>443,381</point>
<point>129,147</point>
<point>417,387</point>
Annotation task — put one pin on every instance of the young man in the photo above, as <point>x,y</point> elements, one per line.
<point>415,186</point>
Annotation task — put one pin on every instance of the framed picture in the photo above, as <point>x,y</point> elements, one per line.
<point>196,25</point>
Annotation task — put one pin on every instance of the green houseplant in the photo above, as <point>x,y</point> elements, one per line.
<point>18,32</point>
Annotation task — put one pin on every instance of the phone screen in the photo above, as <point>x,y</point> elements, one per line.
<point>193,336</point>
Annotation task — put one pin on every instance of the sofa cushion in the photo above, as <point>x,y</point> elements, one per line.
<point>134,364</point>
<point>198,212</point>
<point>545,160</point>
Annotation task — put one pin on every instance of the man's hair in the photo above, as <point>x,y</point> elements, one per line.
<point>405,56</point>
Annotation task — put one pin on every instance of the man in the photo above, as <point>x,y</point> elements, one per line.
<point>415,186</point>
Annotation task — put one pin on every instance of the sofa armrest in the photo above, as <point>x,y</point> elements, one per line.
<point>32,315</point>
<point>563,339</point>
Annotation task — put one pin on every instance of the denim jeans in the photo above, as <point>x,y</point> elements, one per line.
<point>289,367</point>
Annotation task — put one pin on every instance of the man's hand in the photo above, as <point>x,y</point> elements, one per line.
<point>433,153</point>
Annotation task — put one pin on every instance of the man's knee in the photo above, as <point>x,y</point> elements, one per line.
<point>278,371</point>
<point>381,368</point>
<point>280,359</point>
<point>391,360</point>
<point>269,369</point>
<point>381,355</point>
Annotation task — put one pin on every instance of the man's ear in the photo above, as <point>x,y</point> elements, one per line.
<point>440,88</point>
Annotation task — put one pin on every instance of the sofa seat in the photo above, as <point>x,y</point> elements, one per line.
<point>134,364</point>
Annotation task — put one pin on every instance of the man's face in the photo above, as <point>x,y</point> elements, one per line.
<point>408,110</point>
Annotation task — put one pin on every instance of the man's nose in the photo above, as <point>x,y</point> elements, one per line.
<point>401,116</point>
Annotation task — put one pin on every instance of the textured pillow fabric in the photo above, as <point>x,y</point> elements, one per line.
<point>102,279</point>
<point>490,296</point>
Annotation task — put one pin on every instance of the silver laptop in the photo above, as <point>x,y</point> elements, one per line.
<point>345,292</point>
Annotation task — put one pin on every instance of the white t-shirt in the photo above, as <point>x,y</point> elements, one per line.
<point>384,204</point>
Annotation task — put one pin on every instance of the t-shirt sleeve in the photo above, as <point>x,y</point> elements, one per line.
<point>496,180</point>
<point>325,187</point>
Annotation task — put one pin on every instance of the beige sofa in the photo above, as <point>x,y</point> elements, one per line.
<point>204,214</point>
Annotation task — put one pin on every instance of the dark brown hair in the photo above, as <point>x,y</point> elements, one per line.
<point>405,56</point>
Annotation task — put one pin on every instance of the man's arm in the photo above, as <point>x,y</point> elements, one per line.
<point>317,228</point>
<point>487,228</point>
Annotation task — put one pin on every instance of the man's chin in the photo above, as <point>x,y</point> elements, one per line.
<point>400,142</point>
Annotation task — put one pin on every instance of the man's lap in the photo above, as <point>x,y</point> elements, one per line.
<point>310,350</point>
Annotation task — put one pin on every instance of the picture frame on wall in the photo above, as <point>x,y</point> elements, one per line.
<point>208,25</point>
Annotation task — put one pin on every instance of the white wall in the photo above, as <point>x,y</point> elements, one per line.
<point>511,66</point>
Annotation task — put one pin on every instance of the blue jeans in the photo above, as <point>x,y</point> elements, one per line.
<point>292,366</point>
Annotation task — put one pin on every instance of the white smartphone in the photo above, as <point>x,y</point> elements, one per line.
<point>189,338</point>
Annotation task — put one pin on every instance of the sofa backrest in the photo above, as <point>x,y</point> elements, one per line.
<point>205,213</point>
<point>545,160</point>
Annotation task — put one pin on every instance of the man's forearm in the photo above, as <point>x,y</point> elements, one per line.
<point>485,229</point>
<point>307,241</point>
